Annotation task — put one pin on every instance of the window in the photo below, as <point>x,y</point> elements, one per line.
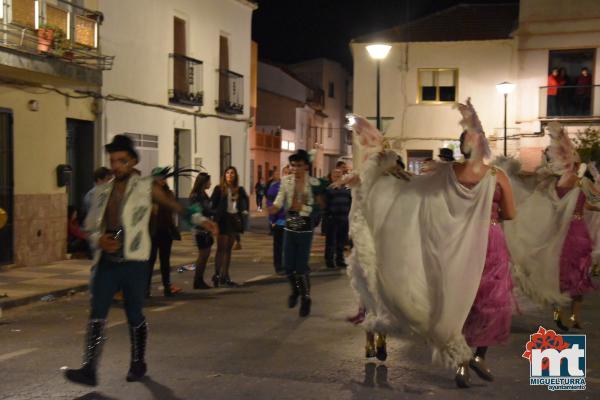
<point>225,153</point>
<point>24,13</point>
<point>329,130</point>
<point>284,145</point>
<point>331,90</point>
<point>437,85</point>
<point>292,146</point>
<point>147,147</point>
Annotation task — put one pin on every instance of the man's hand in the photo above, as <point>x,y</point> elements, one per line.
<point>108,243</point>
<point>211,227</point>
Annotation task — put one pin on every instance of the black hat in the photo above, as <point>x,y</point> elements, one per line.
<point>122,143</point>
<point>446,154</point>
<point>300,155</point>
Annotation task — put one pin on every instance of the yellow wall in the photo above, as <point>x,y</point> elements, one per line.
<point>40,136</point>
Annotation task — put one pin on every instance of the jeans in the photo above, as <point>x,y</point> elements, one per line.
<point>278,247</point>
<point>296,251</point>
<point>336,237</point>
<point>110,277</point>
<point>161,245</point>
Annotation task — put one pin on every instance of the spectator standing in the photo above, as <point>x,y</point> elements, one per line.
<point>204,238</point>
<point>259,190</point>
<point>337,208</point>
<point>583,92</point>
<point>277,221</point>
<point>552,92</point>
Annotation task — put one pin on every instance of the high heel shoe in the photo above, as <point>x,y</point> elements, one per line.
<point>462,378</point>
<point>226,281</point>
<point>558,321</point>
<point>574,322</point>
<point>216,279</point>
<point>478,365</point>
<point>381,348</point>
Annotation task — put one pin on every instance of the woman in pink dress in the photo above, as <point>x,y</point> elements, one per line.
<point>488,322</point>
<point>576,256</point>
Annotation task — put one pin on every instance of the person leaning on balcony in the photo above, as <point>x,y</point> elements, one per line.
<point>583,92</point>
<point>552,92</point>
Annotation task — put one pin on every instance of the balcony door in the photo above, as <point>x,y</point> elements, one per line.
<point>574,99</point>
<point>80,156</point>
<point>6,187</point>
<point>179,48</point>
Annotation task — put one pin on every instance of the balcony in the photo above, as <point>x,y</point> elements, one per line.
<point>570,103</point>
<point>231,92</point>
<point>57,39</point>
<point>185,77</point>
<point>316,99</point>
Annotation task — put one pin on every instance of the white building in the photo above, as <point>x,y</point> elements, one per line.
<point>465,51</point>
<point>182,78</point>
<point>331,137</point>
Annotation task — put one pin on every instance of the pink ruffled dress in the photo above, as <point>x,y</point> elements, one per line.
<point>576,255</point>
<point>488,322</point>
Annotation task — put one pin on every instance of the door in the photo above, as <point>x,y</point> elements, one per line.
<point>80,156</point>
<point>6,187</point>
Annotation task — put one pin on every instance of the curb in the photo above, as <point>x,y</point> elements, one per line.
<point>263,281</point>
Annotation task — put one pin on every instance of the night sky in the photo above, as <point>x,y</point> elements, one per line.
<point>289,31</point>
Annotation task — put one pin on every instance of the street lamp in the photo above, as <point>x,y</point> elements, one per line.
<point>378,52</point>
<point>505,88</point>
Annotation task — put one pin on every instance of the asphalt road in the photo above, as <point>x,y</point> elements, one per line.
<point>245,344</point>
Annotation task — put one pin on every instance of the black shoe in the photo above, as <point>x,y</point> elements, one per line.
<point>215,280</point>
<point>229,283</point>
<point>293,297</point>
<point>86,375</point>
<point>341,264</point>
<point>138,336</point>
<point>381,348</point>
<point>305,301</point>
<point>167,291</point>
<point>201,285</point>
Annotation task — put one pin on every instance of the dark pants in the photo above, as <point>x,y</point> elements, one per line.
<point>336,237</point>
<point>277,231</point>
<point>582,104</point>
<point>259,200</point>
<point>161,245</point>
<point>296,251</point>
<point>552,106</point>
<point>110,277</point>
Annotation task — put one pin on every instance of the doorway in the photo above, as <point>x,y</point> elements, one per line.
<point>80,156</point>
<point>6,187</point>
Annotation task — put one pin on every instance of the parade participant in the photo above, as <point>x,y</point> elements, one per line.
<point>551,204</point>
<point>231,205</point>
<point>298,195</point>
<point>412,275</point>
<point>118,227</point>
<point>204,238</point>
<point>163,231</point>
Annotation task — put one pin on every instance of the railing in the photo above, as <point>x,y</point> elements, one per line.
<point>316,98</point>
<point>185,83</point>
<point>268,141</point>
<point>231,92</point>
<point>64,31</point>
<point>569,102</point>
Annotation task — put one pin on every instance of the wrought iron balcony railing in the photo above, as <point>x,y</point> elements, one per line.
<point>231,92</point>
<point>61,30</point>
<point>569,102</point>
<point>185,80</point>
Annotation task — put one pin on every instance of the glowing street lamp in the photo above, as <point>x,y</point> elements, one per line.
<point>378,52</point>
<point>505,88</point>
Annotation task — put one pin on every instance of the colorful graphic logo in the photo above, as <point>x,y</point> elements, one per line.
<point>556,361</point>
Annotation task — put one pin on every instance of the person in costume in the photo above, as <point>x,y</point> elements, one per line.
<point>425,280</point>
<point>118,228</point>
<point>298,195</point>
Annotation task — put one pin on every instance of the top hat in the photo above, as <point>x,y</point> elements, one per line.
<point>446,154</point>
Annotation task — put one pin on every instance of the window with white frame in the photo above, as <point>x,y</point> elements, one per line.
<point>284,145</point>
<point>437,85</point>
<point>292,146</point>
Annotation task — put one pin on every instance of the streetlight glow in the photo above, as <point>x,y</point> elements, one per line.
<point>378,51</point>
<point>505,87</point>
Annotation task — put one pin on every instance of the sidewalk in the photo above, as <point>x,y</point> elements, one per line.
<point>252,265</point>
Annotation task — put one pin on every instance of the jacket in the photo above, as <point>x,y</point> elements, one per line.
<point>135,217</point>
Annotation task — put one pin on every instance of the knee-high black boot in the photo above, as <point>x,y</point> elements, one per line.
<point>86,375</point>
<point>293,297</point>
<point>138,336</point>
<point>305,301</point>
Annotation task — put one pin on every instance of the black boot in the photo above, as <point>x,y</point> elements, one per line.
<point>138,336</point>
<point>86,375</point>
<point>293,297</point>
<point>305,301</point>
<point>199,278</point>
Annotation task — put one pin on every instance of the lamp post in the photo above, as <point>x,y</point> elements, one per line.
<point>505,88</point>
<point>378,52</point>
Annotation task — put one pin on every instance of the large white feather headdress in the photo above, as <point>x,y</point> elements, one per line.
<point>475,134</point>
<point>562,153</point>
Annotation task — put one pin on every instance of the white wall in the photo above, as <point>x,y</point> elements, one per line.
<point>140,34</point>
<point>275,80</point>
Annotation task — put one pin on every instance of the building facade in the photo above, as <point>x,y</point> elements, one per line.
<point>51,71</point>
<point>181,91</point>
<point>433,64</point>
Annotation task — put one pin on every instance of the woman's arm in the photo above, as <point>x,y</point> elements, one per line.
<point>508,210</point>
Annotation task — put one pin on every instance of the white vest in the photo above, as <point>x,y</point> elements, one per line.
<point>135,213</point>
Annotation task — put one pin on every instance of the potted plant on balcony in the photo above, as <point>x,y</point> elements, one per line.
<point>46,34</point>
